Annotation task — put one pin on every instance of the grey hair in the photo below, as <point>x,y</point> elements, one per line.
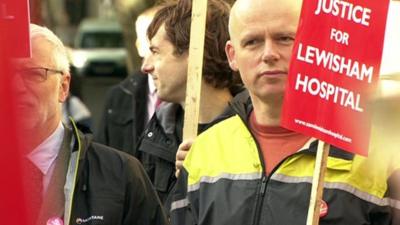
<point>60,56</point>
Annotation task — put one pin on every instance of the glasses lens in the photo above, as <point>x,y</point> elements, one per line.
<point>33,75</point>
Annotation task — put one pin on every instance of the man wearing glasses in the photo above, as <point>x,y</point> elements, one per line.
<point>68,179</point>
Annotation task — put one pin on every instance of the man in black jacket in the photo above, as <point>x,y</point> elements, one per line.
<point>124,116</point>
<point>167,63</point>
<point>130,104</point>
<point>68,178</point>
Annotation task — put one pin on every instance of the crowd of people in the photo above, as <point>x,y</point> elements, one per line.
<point>243,168</point>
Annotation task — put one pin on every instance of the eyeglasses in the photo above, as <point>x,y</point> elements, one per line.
<point>36,74</point>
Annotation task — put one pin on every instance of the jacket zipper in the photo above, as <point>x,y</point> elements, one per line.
<point>260,197</point>
<point>263,188</point>
<point>264,179</point>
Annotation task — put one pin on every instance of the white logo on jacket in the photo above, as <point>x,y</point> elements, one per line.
<point>80,220</point>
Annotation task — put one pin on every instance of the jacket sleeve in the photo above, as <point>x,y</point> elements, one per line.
<point>389,146</point>
<point>183,211</point>
<point>394,194</point>
<point>142,206</point>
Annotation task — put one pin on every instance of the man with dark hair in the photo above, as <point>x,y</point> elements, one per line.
<point>167,63</point>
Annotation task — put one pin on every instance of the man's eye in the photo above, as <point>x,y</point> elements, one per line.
<point>33,74</point>
<point>286,39</point>
<point>251,42</point>
<point>153,50</point>
<point>36,72</point>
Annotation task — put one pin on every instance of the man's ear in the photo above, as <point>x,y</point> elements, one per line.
<point>230,53</point>
<point>64,87</point>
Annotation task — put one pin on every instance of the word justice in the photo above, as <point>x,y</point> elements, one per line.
<point>345,10</point>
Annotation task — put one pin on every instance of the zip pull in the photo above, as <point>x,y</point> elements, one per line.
<point>263,185</point>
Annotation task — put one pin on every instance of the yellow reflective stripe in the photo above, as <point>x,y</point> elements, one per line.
<point>226,148</point>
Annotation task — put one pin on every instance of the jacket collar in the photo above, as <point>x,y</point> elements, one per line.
<point>79,144</point>
<point>241,104</point>
<point>167,115</point>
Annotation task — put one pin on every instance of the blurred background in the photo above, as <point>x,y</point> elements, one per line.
<point>386,105</point>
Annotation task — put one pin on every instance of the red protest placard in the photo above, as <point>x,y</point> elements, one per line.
<point>334,71</point>
<point>14,41</point>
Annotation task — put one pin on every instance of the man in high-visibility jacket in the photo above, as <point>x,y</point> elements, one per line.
<point>248,170</point>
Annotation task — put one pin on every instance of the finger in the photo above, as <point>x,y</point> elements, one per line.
<point>179,165</point>
<point>181,155</point>
<point>186,144</point>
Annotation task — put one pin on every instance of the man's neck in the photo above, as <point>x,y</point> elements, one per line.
<point>213,102</point>
<point>33,138</point>
<point>268,112</point>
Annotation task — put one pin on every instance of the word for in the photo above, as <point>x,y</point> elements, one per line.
<point>339,36</point>
<point>329,92</point>
<point>345,10</point>
<point>335,63</point>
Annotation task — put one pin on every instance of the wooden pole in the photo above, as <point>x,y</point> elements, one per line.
<point>318,183</point>
<point>195,68</point>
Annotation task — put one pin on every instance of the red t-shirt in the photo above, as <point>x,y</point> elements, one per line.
<point>276,143</point>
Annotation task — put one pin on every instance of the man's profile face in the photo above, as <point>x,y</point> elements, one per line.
<point>38,104</point>
<point>167,69</point>
<point>262,38</point>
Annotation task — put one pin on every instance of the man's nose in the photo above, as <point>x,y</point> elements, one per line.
<point>18,84</point>
<point>270,53</point>
<point>147,66</point>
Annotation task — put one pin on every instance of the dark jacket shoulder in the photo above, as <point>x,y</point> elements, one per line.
<point>124,113</point>
<point>113,186</point>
